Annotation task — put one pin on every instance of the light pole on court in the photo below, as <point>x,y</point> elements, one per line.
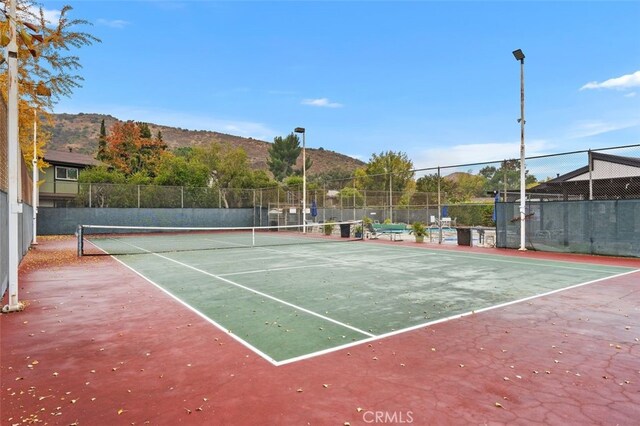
<point>520,57</point>
<point>304,179</point>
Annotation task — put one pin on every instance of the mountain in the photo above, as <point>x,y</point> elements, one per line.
<point>80,132</point>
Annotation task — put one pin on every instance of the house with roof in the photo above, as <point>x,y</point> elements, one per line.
<point>605,177</point>
<point>60,178</point>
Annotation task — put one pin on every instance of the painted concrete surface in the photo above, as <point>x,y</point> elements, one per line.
<point>98,345</point>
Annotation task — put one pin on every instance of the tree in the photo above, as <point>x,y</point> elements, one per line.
<point>429,183</point>
<point>145,132</point>
<point>331,179</point>
<point>101,174</point>
<point>507,176</point>
<point>466,187</point>
<point>180,171</point>
<point>131,153</point>
<point>102,144</point>
<point>283,155</point>
<point>53,66</point>
<point>388,170</point>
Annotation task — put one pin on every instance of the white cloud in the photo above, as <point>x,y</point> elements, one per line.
<point>630,95</point>
<point>321,102</point>
<point>114,23</point>
<point>52,16</point>
<point>477,153</point>
<point>33,15</point>
<point>586,128</point>
<point>618,83</point>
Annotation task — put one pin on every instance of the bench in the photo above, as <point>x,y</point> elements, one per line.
<point>393,230</point>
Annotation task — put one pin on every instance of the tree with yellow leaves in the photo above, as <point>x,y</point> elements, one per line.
<point>47,66</point>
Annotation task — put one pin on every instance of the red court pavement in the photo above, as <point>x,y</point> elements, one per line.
<point>98,345</point>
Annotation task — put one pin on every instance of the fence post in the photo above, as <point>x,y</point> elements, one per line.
<point>391,197</point>
<point>324,202</point>
<point>182,197</point>
<point>354,200</point>
<point>260,206</point>
<point>138,186</point>
<point>505,180</point>
<point>90,195</point>
<point>590,176</point>
<point>439,211</point>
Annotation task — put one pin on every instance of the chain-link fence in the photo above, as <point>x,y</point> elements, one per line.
<point>606,183</point>
<point>464,193</point>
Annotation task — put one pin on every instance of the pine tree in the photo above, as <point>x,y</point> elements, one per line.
<point>283,155</point>
<point>102,144</point>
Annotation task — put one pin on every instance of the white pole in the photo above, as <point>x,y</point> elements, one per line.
<point>304,183</point>
<point>15,207</point>
<point>35,180</point>
<point>522,162</point>
<point>439,211</point>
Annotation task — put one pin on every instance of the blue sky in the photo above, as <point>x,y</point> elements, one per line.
<point>436,80</point>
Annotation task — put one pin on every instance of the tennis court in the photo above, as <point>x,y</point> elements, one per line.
<point>289,301</point>
<point>98,342</point>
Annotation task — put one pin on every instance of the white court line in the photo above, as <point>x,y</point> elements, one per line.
<point>266,295</point>
<point>249,289</point>
<point>310,266</point>
<point>372,337</point>
<point>194,310</point>
<point>453,317</point>
<point>205,317</point>
<point>502,258</point>
<point>287,268</point>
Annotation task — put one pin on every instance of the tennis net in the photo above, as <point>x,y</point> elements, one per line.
<point>123,240</point>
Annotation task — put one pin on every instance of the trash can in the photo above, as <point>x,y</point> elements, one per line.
<point>464,236</point>
<point>345,230</point>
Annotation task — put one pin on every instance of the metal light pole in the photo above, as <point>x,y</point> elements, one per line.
<point>520,57</point>
<point>13,192</point>
<point>304,179</point>
<point>34,162</point>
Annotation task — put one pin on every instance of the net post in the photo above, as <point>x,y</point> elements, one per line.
<point>80,236</point>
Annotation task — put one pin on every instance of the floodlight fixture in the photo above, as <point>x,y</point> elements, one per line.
<point>518,55</point>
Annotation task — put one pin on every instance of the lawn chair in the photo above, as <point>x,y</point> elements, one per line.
<point>371,232</point>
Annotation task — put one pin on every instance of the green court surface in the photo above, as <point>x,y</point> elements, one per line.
<point>290,302</point>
